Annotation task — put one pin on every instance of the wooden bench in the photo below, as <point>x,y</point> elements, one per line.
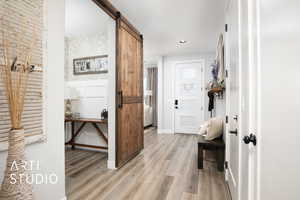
<point>216,145</point>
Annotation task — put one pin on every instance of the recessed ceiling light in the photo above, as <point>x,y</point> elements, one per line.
<point>182,41</point>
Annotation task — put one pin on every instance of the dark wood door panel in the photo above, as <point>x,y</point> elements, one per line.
<point>130,69</point>
<point>130,125</point>
<point>128,100</point>
<point>130,129</point>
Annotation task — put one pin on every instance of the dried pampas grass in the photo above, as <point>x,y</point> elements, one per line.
<point>15,67</point>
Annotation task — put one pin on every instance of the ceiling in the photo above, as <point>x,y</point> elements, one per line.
<point>84,18</point>
<point>164,22</point>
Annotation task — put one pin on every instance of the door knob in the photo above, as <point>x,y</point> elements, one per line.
<point>250,138</point>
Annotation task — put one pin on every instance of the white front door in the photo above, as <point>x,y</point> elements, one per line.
<point>232,97</point>
<point>188,101</point>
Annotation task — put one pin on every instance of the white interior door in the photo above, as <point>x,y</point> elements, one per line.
<point>242,60</point>
<point>188,102</point>
<point>233,85</point>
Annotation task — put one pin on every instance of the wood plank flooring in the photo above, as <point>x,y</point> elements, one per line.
<point>165,170</point>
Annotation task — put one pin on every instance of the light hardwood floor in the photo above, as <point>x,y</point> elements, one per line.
<point>166,169</point>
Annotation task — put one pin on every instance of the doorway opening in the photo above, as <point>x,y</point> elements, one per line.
<point>150,95</point>
<point>90,48</point>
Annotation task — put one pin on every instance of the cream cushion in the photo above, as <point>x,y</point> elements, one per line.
<point>214,129</point>
<point>203,128</point>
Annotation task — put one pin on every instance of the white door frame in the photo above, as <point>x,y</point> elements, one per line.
<point>254,86</point>
<point>201,61</point>
<point>227,94</point>
<point>229,176</point>
<point>227,97</point>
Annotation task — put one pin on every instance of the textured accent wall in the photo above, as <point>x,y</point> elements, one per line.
<point>20,20</point>
<point>84,46</point>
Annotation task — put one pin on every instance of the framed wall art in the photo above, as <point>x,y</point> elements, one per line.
<point>90,65</point>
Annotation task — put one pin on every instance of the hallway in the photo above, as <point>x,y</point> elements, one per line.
<point>166,169</point>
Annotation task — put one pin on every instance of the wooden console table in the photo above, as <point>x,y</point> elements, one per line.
<point>83,122</point>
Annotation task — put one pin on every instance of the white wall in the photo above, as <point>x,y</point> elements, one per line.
<point>50,154</point>
<point>220,102</point>
<point>93,98</point>
<point>160,95</point>
<point>220,106</point>
<point>279,100</point>
<point>111,163</point>
<point>85,46</point>
<point>165,94</point>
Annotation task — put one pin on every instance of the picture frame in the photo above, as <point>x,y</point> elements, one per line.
<point>90,65</point>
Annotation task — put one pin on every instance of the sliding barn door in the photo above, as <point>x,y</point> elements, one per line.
<point>130,125</point>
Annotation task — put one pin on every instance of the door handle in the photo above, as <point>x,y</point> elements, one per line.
<point>176,102</point>
<point>235,132</point>
<point>250,138</point>
<point>235,117</point>
<point>120,99</point>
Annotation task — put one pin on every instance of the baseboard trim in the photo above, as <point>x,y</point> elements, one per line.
<point>91,149</point>
<point>148,126</point>
<point>165,131</point>
<point>111,164</point>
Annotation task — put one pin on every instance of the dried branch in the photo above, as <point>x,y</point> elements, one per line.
<point>15,71</point>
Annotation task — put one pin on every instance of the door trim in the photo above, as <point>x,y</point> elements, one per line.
<point>255,104</point>
<point>107,7</point>
<point>227,113</point>
<point>114,13</point>
<point>230,175</point>
<point>202,61</point>
<point>233,180</point>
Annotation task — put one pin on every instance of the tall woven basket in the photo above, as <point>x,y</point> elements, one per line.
<point>17,188</point>
<point>15,66</point>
